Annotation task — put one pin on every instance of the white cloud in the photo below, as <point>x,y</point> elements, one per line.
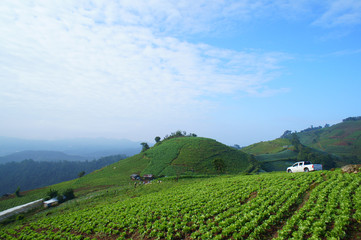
<point>340,13</point>
<point>84,63</point>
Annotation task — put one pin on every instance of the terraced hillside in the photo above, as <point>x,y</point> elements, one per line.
<point>268,147</point>
<point>193,156</point>
<point>332,146</point>
<point>275,155</point>
<point>174,157</point>
<point>317,205</point>
<point>342,139</point>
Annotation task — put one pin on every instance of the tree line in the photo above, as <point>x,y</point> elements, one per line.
<point>29,174</point>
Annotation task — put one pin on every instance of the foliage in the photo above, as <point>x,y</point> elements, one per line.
<point>219,165</point>
<point>17,192</point>
<point>157,139</point>
<point>286,134</point>
<point>52,193</point>
<point>69,194</point>
<point>145,146</point>
<point>179,133</point>
<point>81,174</point>
<point>352,119</point>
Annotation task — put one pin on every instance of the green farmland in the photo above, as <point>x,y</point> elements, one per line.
<point>316,205</point>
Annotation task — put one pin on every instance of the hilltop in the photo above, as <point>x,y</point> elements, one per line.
<point>195,155</point>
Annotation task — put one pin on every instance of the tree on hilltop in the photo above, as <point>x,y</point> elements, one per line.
<point>145,146</point>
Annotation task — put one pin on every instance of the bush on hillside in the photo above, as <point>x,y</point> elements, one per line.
<point>52,193</point>
<point>69,194</point>
<point>179,133</point>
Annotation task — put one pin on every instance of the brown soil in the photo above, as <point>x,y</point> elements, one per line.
<point>251,196</point>
<point>353,231</point>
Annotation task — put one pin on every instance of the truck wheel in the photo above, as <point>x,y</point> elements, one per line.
<point>307,170</point>
<point>289,170</point>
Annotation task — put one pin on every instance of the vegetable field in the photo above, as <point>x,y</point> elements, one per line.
<point>316,205</point>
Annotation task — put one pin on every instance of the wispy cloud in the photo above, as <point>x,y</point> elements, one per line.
<point>95,61</point>
<point>118,62</point>
<point>340,13</point>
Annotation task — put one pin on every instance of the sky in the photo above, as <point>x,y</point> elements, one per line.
<point>239,72</point>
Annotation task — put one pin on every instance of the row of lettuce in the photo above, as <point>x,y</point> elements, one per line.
<point>284,206</point>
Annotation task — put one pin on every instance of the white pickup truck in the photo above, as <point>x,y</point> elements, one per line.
<point>305,166</point>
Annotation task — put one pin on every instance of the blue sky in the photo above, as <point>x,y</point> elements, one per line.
<point>236,71</point>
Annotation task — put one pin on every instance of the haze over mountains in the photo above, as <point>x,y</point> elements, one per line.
<point>79,149</point>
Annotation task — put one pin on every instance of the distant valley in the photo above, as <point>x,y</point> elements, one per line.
<point>29,174</point>
<point>46,156</point>
<point>88,148</point>
<point>30,164</point>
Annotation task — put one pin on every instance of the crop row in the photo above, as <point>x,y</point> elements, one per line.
<point>241,207</point>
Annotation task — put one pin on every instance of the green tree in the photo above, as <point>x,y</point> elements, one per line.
<point>60,198</point>
<point>145,146</point>
<point>17,192</point>
<point>69,194</point>
<point>219,165</point>
<point>157,139</point>
<point>82,173</point>
<point>52,193</point>
<point>296,142</point>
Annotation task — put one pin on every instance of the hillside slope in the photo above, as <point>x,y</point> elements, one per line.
<point>268,147</point>
<point>173,157</point>
<point>278,154</point>
<point>332,146</point>
<point>195,155</point>
<point>342,139</point>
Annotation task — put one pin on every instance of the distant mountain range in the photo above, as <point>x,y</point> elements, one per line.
<point>84,148</point>
<point>45,156</point>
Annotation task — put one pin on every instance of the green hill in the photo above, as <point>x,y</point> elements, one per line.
<point>342,139</point>
<point>193,156</point>
<point>332,146</point>
<point>268,147</point>
<point>280,153</point>
<point>179,156</point>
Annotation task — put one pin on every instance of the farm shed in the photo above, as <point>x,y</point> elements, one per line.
<point>50,203</point>
<point>135,177</point>
<point>148,177</point>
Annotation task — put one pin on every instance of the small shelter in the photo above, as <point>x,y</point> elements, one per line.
<point>50,203</point>
<point>148,177</point>
<point>135,177</point>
